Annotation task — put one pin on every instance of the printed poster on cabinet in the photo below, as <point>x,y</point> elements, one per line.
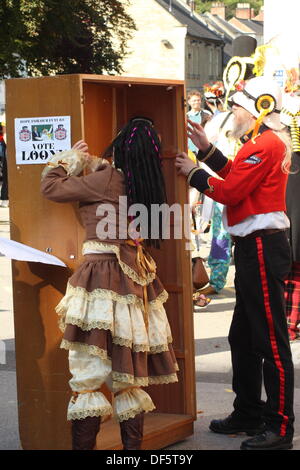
<point>38,138</point>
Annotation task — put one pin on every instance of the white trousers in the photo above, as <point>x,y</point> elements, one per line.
<point>89,373</point>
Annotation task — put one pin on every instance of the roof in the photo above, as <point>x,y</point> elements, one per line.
<point>226,24</point>
<point>256,26</point>
<point>228,31</point>
<point>194,26</point>
<point>212,21</point>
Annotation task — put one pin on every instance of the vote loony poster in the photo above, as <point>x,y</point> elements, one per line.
<point>38,138</point>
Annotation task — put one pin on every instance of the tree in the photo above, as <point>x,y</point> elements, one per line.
<point>42,37</point>
<point>204,5</point>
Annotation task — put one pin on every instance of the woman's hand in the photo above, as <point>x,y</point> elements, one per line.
<point>197,135</point>
<point>184,164</point>
<point>82,146</point>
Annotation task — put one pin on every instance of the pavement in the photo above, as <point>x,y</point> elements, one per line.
<point>212,362</point>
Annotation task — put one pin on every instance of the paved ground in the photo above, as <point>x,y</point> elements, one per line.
<point>213,369</point>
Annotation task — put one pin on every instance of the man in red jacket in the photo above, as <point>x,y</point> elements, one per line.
<point>253,190</point>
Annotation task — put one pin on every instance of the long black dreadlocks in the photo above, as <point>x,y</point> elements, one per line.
<point>136,151</point>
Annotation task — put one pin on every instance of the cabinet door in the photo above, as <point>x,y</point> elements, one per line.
<point>165,105</point>
<point>42,372</point>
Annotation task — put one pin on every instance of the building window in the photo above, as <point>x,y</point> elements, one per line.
<point>217,61</point>
<point>210,63</point>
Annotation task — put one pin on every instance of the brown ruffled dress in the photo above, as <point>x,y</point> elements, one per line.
<point>112,316</point>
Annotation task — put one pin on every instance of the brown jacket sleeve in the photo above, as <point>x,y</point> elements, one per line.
<point>59,187</point>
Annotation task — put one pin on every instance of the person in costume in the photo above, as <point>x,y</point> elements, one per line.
<point>112,316</point>
<point>252,187</point>
<point>213,97</point>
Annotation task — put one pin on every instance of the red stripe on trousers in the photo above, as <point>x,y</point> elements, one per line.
<point>274,346</point>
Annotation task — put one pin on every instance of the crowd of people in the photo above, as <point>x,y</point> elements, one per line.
<point>217,123</point>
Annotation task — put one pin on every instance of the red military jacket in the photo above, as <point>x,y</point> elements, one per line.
<point>253,183</point>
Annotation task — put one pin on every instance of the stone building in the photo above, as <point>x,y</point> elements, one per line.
<point>171,42</point>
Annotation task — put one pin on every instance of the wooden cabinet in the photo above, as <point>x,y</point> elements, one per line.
<point>98,107</point>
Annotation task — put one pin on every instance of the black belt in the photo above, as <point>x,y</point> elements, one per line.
<point>258,233</point>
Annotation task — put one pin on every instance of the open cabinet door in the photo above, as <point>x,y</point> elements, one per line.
<point>98,107</point>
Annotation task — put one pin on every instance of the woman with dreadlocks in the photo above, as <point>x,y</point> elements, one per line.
<point>112,316</point>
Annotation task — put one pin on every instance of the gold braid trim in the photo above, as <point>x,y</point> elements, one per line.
<point>128,270</point>
<point>211,187</point>
<point>191,174</point>
<point>212,150</point>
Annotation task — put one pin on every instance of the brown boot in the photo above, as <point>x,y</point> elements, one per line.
<point>84,432</point>
<point>132,432</point>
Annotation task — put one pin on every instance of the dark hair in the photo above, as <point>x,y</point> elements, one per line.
<point>136,151</point>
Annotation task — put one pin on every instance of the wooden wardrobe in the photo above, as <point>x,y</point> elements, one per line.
<point>98,106</point>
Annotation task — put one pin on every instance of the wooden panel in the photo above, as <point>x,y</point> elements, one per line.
<point>42,372</point>
<point>184,262</point>
<point>98,116</point>
<point>171,398</point>
<point>161,430</point>
<point>28,206</point>
<point>174,308</point>
<point>159,105</point>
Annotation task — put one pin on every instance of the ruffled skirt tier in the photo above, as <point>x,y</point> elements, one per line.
<point>104,321</point>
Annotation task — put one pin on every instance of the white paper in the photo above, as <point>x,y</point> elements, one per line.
<point>38,139</point>
<point>18,251</point>
<point>207,209</point>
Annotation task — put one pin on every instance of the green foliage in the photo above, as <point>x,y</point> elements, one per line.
<point>204,5</point>
<point>42,37</point>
